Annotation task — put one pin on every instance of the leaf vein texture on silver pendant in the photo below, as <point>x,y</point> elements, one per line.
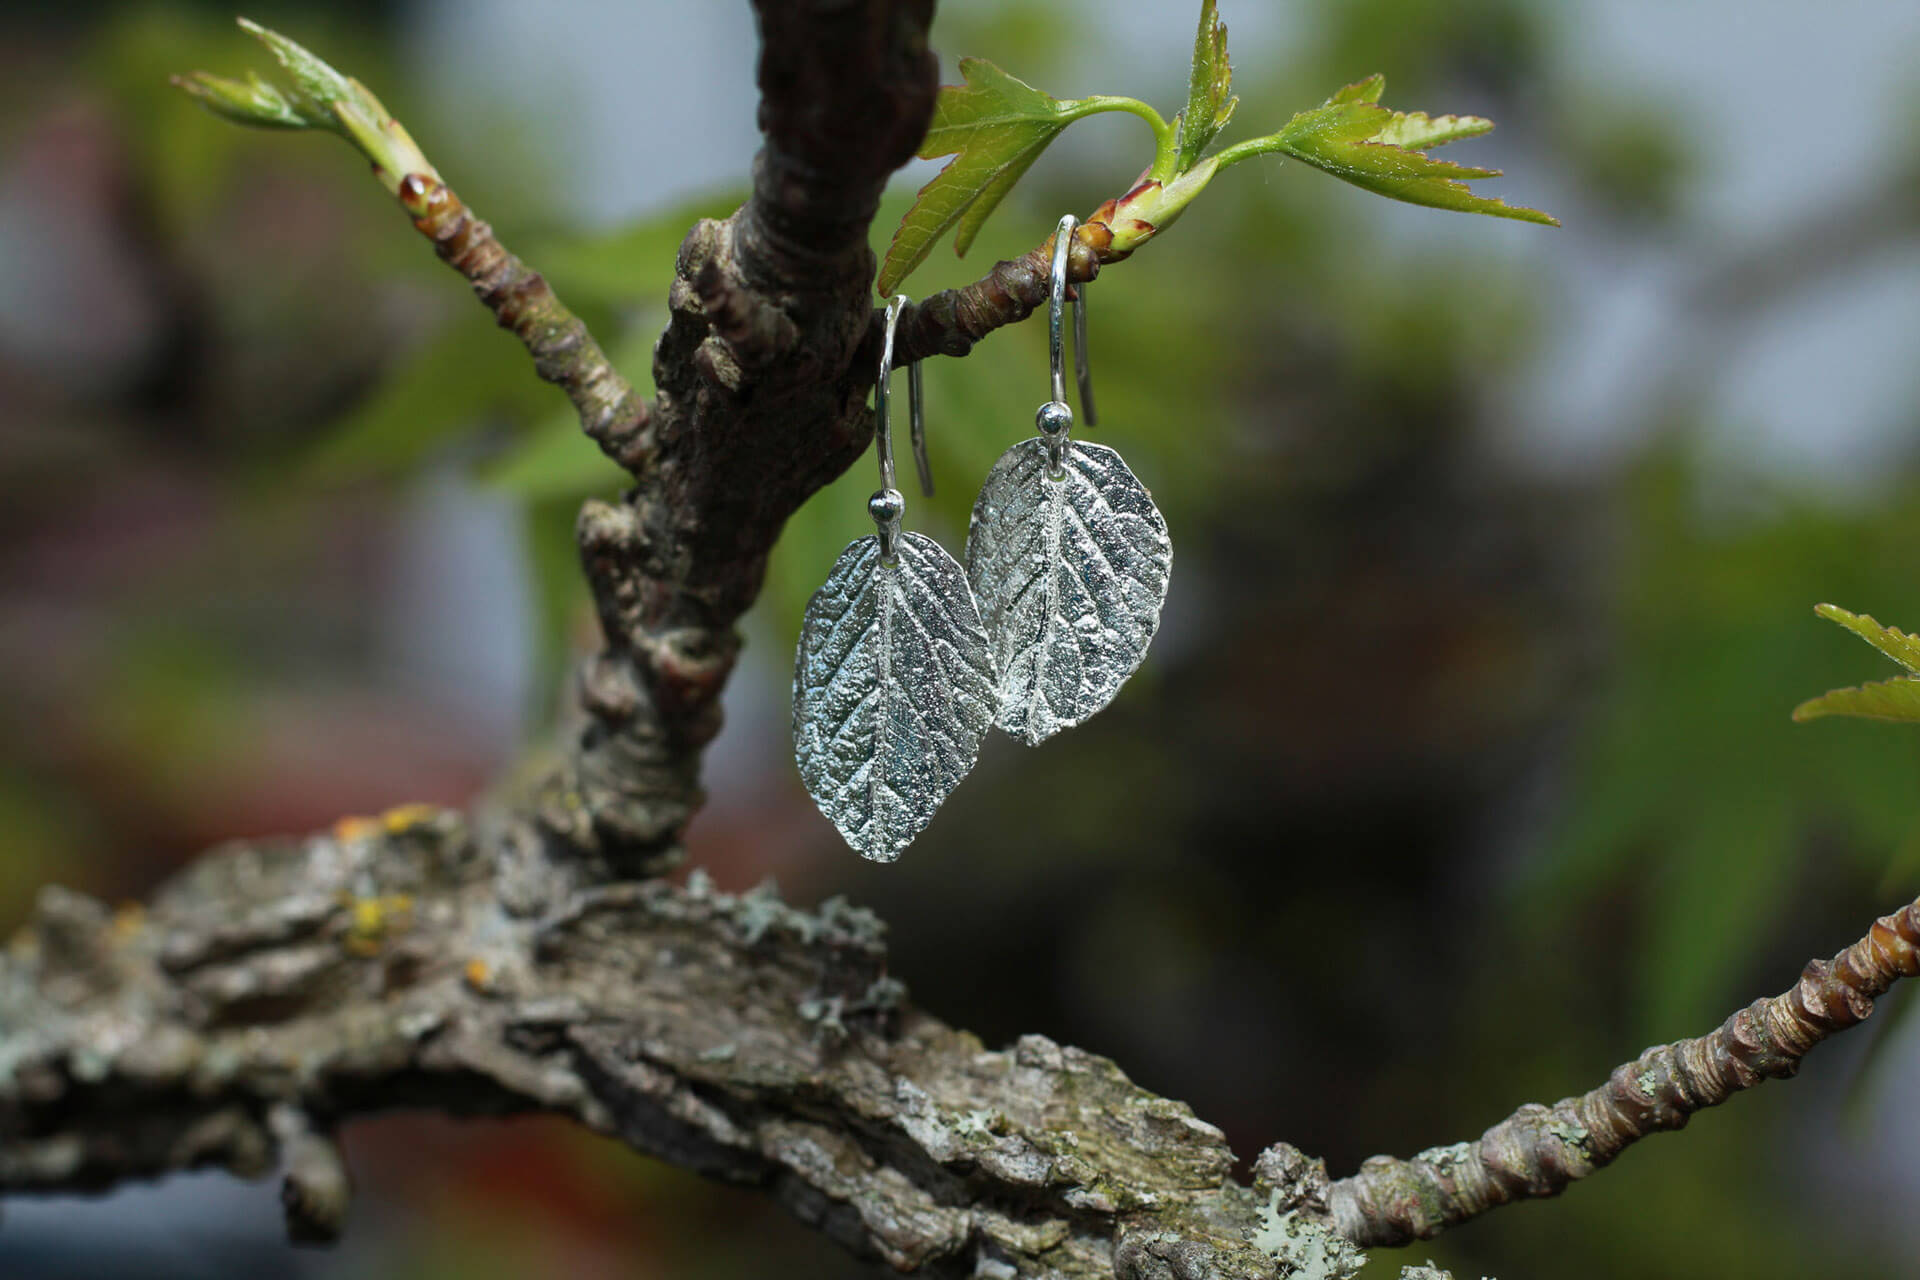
<point>893,688</point>
<point>1069,573</point>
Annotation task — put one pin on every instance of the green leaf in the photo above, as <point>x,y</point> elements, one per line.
<point>321,98</point>
<point>434,398</point>
<point>317,83</point>
<point>1896,699</point>
<point>994,126</point>
<point>1208,105</point>
<point>1898,645</point>
<point>252,101</point>
<point>1357,140</point>
<point>1368,90</point>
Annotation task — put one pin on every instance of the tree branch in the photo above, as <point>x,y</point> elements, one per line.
<point>515,960</point>
<point>275,991</point>
<point>761,402</point>
<point>1541,1151</point>
<point>563,352</point>
<point>950,322</point>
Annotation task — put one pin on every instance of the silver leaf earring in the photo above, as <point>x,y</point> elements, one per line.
<point>893,683</point>
<point>1067,555</point>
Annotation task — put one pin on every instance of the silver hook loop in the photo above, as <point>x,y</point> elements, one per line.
<point>917,428</point>
<point>1057,307</point>
<point>889,504</point>
<point>1082,371</point>
<point>1055,419</point>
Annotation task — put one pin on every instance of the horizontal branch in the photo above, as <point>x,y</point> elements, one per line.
<point>276,991</point>
<point>1541,1151</point>
<point>950,322</point>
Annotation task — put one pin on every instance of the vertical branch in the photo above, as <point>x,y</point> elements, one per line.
<point>761,403</point>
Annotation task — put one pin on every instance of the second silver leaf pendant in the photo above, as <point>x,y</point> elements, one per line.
<point>1069,572</point>
<point>1068,559</point>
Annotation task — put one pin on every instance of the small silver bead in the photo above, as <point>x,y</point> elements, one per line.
<point>1053,418</point>
<point>886,506</point>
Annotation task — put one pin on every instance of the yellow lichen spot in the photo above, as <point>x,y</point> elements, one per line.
<point>371,920</point>
<point>127,919</point>
<point>403,817</point>
<point>350,829</point>
<point>478,974</point>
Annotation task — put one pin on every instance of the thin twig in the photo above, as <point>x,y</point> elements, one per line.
<point>563,352</point>
<point>1541,1151</point>
<point>950,322</point>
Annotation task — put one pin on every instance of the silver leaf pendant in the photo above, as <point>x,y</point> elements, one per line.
<point>1069,572</point>
<point>893,689</point>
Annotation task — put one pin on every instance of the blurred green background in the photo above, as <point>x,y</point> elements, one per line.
<point>1460,771</point>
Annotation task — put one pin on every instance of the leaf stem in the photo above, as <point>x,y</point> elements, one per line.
<point>1247,150</point>
<point>1166,143</point>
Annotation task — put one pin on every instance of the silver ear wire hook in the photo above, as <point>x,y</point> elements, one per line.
<point>1069,618</point>
<point>1055,419</point>
<point>889,504</point>
<point>1082,371</point>
<point>1056,306</point>
<point>917,428</point>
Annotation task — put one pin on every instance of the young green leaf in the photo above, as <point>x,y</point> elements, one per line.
<point>1208,105</point>
<point>1354,138</point>
<point>252,101</point>
<point>995,126</point>
<point>320,98</point>
<point>1895,699</point>
<point>1898,645</point>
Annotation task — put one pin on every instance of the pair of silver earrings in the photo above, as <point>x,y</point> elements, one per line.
<point>905,660</point>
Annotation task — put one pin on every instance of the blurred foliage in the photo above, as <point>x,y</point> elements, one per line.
<point>1694,786</point>
<point>1542,724</point>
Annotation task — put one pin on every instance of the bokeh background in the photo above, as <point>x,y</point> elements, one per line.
<point>1460,771</point>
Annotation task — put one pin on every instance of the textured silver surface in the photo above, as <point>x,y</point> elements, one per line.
<point>892,691</point>
<point>1069,574</point>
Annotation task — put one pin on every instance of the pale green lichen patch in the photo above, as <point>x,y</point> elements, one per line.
<point>1305,1248</point>
<point>1448,1158</point>
<point>1570,1132</point>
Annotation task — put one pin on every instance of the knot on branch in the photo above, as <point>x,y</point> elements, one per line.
<point>1287,1179</point>
<point>1163,1256</point>
<point>74,936</point>
<point>754,329</point>
<point>315,1188</point>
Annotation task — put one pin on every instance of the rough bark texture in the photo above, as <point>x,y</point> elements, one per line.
<point>274,991</point>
